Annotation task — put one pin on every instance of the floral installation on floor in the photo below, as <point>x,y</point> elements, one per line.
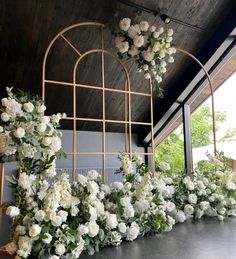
<point>54,218</point>
<point>149,46</point>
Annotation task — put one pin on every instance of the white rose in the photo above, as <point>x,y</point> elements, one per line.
<point>180,216</point>
<point>171,59</point>
<point>188,209</point>
<point>40,215</point>
<point>5,117</point>
<point>42,127</point>
<point>11,248</point>
<point>138,41</point>
<point>20,230</point>
<point>47,141</point>
<point>111,221</point>
<point>93,213</point>
<point>125,201</point>
<point>123,47</point>
<point>156,47</point>
<point>82,230</point>
<point>56,221</point>
<point>147,76</point>
<point>170,206</point>
<point>19,133</point>
<point>41,108</point>
<point>74,211</point>
<point>125,24</point>
<point>148,55</point>
<point>170,32</point>
<point>92,175</point>
<point>93,187</point>
<point>143,25</point>
<point>12,211</point>
<point>63,214</point>
<point>133,31</point>
<point>82,179</point>
<point>47,238</point>
<point>29,107</point>
<point>133,51</point>
<point>204,205</point>
<point>93,228</point>
<point>192,198</point>
<point>152,28</point>
<point>60,249</point>
<point>45,119</point>
<point>34,230</point>
<point>122,227</point>
<point>132,232</point>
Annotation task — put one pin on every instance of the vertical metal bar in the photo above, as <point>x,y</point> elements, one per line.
<point>2,176</point>
<point>187,139</point>
<point>152,134</point>
<point>126,128</point>
<point>130,124</point>
<point>103,112</point>
<point>74,126</point>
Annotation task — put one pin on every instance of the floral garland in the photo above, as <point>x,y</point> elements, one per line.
<point>27,136</point>
<point>150,47</point>
<point>63,219</point>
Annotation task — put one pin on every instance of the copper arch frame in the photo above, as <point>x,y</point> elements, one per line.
<point>127,96</point>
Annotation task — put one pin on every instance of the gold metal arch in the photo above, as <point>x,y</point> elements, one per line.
<point>127,122</point>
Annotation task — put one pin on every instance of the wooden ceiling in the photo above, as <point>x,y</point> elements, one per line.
<point>27,27</point>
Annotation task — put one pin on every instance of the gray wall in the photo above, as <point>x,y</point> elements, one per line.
<point>86,142</point>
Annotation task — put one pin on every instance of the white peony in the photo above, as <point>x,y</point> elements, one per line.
<point>129,211</point>
<point>125,201</point>
<point>60,249</point>
<point>19,133</point>
<point>132,232</point>
<point>5,117</point>
<point>111,221</point>
<point>138,41</point>
<point>12,211</point>
<point>142,205</point>
<point>170,206</point>
<point>143,25</point>
<point>29,107</point>
<point>47,238</point>
<point>125,24</point>
<point>93,228</point>
<point>122,228</point>
<point>192,198</point>
<point>26,150</point>
<point>40,215</point>
<point>11,248</point>
<point>34,230</point>
<point>204,205</point>
<point>188,209</point>
<point>148,55</point>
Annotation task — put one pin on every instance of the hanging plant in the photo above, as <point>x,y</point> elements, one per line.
<point>149,46</point>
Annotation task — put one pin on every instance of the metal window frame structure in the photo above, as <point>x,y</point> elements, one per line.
<point>127,99</point>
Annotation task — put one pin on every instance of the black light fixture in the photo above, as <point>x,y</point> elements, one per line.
<point>164,17</point>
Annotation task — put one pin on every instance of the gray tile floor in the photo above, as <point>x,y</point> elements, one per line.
<point>206,239</point>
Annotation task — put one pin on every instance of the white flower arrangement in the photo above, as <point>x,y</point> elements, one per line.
<point>26,135</point>
<point>149,46</point>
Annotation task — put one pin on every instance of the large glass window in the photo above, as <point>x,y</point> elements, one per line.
<point>171,151</point>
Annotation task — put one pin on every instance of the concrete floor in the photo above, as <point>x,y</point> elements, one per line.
<point>206,239</point>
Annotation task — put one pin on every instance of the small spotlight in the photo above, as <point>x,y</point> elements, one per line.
<point>165,18</point>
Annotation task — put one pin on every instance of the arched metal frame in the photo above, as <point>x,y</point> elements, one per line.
<point>127,96</point>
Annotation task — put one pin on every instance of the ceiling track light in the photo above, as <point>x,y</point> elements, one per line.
<point>164,17</point>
